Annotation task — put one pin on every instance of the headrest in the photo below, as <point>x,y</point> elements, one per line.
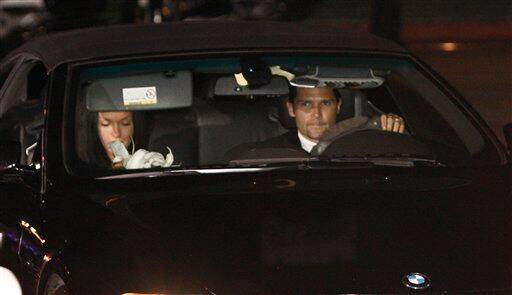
<point>353,104</point>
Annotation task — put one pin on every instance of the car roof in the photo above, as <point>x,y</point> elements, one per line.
<point>197,36</point>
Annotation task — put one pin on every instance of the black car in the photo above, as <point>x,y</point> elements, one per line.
<point>188,198</point>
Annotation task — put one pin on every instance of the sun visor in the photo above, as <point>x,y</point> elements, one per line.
<point>351,78</point>
<point>228,86</point>
<point>154,91</point>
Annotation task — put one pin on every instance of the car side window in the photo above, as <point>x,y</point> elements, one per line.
<point>5,72</point>
<point>22,108</point>
<point>381,99</point>
<point>4,75</point>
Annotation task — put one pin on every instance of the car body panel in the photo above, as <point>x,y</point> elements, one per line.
<point>347,228</point>
<point>361,235</point>
<point>110,42</point>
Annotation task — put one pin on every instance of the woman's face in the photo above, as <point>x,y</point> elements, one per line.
<point>114,126</point>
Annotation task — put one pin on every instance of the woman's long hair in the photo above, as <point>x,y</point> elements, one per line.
<point>88,145</point>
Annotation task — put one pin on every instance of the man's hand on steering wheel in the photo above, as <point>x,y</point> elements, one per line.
<point>392,123</point>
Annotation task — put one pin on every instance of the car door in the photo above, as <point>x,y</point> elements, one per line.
<point>21,121</point>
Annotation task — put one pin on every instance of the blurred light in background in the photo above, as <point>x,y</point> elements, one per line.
<point>449,46</point>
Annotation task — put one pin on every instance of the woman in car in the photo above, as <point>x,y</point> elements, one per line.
<point>102,128</point>
<point>112,126</point>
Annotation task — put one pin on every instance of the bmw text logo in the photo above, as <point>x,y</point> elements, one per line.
<point>416,281</point>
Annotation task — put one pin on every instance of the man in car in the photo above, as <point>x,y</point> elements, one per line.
<point>315,111</point>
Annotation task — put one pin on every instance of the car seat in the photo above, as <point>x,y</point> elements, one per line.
<point>176,129</point>
<point>226,123</point>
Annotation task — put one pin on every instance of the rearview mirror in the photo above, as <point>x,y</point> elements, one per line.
<point>227,86</point>
<point>9,153</point>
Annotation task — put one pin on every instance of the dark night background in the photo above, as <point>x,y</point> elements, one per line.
<point>469,42</point>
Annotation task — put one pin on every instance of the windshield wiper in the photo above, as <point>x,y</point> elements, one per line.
<point>168,172</point>
<point>395,160</point>
<point>267,161</point>
<point>405,160</point>
<point>400,160</point>
<point>301,163</point>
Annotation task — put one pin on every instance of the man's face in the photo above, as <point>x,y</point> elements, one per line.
<point>314,110</point>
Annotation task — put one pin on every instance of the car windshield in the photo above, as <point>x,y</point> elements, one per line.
<point>266,110</point>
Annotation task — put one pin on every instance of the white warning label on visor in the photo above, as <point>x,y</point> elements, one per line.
<point>139,96</point>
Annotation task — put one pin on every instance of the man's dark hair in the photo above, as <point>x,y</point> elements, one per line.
<point>293,93</point>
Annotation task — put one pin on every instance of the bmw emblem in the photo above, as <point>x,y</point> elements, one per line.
<point>416,281</point>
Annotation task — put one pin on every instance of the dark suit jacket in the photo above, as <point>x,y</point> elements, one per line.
<point>287,144</point>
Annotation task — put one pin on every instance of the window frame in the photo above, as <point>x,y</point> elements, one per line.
<point>77,67</point>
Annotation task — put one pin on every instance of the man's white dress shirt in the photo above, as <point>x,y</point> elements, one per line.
<point>306,143</point>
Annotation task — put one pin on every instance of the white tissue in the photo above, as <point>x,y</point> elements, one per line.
<point>145,159</point>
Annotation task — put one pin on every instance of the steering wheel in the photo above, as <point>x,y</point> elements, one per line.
<point>344,128</point>
<point>364,136</point>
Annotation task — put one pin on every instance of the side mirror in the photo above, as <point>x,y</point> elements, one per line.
<point>9,153</point>
<point>507,131</point>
